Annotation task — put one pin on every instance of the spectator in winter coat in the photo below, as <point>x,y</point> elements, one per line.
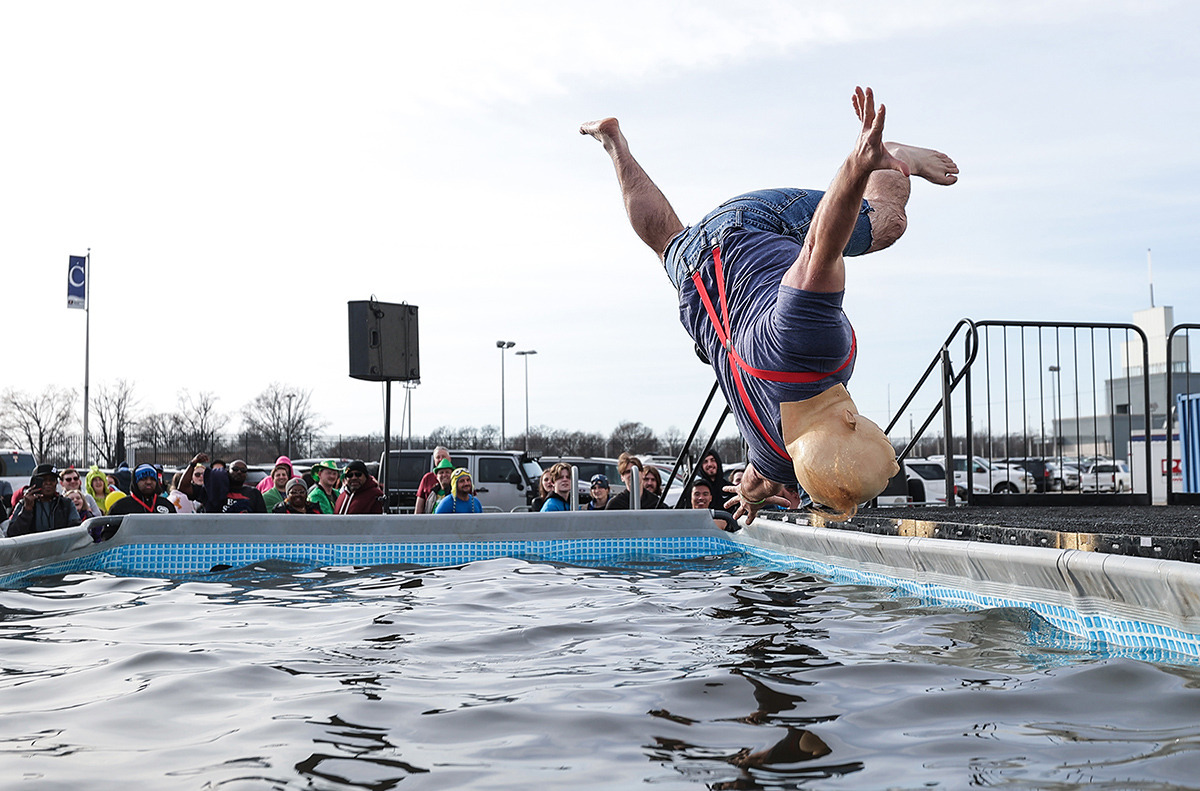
<point>297,501</point>
<point>362,494</point>
<point>41,507</point>
<point>600,492</point>
<point>430,481</point>
<point>626,464</point>
<point>558,498</point>
<point>143,497</point>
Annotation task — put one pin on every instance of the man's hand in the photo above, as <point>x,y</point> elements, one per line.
<point>200,458</point>
<point>749,507</point>
<point>870,152</point>
<point>753,493</point>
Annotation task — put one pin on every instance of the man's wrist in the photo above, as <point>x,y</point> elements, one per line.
<point>747,501</point>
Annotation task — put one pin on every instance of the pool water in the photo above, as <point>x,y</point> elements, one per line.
<point>510,673</point>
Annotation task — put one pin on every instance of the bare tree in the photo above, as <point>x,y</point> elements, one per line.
<point>366,447</point>
<point>731,449</point>
<point>200,419</point>
<point>160,431</point>
<point>633,438</point>
<point>114,407</point>
<point>281,416</point>
<point>489,437</point>
<point>672,441</point>
<point>38,422</point>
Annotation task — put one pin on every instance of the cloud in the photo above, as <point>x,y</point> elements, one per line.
<point>465,55</point>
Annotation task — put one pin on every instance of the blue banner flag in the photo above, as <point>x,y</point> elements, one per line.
<point>77,282</point>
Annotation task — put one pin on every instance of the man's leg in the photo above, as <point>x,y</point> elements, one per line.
<point>887,190</point>
<point>872,165</point>
<point>650,213</point>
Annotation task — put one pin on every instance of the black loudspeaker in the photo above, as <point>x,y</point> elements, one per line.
<point>383,342</point>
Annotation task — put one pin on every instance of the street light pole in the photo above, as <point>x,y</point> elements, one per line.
<point>1055,390</point>
<point>503,346</point>
<point>288,427</point>
<point>526,354</point>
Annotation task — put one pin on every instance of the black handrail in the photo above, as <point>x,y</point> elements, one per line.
<point>687,445</point>
<point>1173,497</point>
<point>972,348</point>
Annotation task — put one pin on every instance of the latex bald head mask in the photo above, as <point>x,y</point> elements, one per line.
<point>841,458</point>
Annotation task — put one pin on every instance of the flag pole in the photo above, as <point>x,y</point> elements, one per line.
<point>87,348</point>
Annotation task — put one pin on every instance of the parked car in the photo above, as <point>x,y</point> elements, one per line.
<point>1065,475</point>
<point>999,479</point>
<point>16,467</point>
<point>1107,476</point>
<point>504,480</point>
<point>926,480</point>
<point>676,485</point>
<point>1043,480</point>
<point>924,484</point>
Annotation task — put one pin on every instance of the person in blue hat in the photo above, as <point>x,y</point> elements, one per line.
<point>143,495</point>
<point>600,492</point>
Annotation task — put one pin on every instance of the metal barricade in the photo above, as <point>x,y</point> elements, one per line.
<point>1187,413</point>
<point>1053,394</point>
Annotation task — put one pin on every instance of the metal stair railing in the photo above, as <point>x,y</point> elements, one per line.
<point>949,381</point>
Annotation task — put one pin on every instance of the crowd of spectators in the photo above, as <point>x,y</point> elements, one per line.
<point>54,499</point>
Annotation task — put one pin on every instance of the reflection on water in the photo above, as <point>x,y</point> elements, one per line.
<point>525,674</point>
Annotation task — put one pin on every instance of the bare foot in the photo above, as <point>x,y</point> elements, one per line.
<point>933,166</point>
<point>606,130</point>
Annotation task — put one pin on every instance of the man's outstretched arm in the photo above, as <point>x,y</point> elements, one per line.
<point>820,266</point>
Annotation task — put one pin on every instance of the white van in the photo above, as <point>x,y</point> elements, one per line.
<point>504,480</point>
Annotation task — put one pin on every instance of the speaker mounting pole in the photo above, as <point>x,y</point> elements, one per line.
<point>384,347</point>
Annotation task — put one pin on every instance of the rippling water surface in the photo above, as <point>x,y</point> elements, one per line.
<point>518,674</point>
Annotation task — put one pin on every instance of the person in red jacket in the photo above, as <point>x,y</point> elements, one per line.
<point>361,494</point>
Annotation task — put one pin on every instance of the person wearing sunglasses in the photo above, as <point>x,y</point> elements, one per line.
<point>361,493</point>
<point>224,491</point>
<point>71,480</point>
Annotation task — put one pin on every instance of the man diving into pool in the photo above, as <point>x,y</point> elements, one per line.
<point>761,281</point>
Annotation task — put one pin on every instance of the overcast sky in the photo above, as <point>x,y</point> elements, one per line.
<point>242,170</point>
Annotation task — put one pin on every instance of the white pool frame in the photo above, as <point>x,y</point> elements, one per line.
<point>1125,601</point>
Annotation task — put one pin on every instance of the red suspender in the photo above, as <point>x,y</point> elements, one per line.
<point>737,364</point>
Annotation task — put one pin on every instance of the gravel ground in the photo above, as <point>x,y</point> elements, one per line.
<point>1177,521</point>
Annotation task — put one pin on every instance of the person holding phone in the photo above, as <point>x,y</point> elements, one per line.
<point>41,508</point>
